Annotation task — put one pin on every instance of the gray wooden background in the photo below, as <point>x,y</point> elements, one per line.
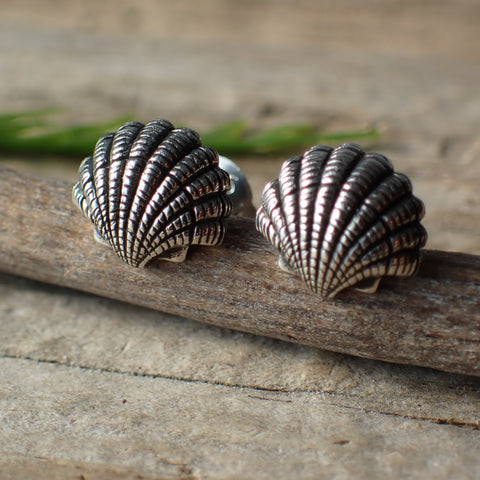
<point>96,388</point>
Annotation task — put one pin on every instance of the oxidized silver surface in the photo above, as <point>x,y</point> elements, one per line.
<point>342,217</point>
<point>153,190</point>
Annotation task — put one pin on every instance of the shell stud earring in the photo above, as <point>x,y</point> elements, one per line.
<point>341,218</point>
<point>151,191</point>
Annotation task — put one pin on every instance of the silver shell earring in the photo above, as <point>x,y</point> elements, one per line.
<point>341,218</point>
<point>151,191</point>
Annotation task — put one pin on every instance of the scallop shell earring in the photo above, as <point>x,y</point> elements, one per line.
<point>151,191</point>
<point>341,218</point>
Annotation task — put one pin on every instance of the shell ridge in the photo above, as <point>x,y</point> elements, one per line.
<point>404,246</point>
<point>213,207</point>
<point>402,263</point>
<point>389,193</point>
<point>88,189</point>
<point>79,200</point>
<point>338,167</point>
<point>271,200</point>
<point>188,216</point>
<point>133,164</point>
<point>370,172</point>
<point>313,163</point>
<point>158,231</point>
<point>204,233</point>
<point>159,211</point>
<point>213,180</point>
<point>174,235</point>
<point>180,234</point>
<point>208,232</point>
<point>288,192</point>
<point>83,189</point>
<point>264,226</point>
<point>121,147</point>
<point>268,212</point>
<point>140,165</point>
<point>403,215</point>
<point>142,162</point>
<point>98,169</point>
<point>166,156</point>
<point>168,147</point>
<point>209,208</point>
<point>394,241</point>
<point>172,190</point>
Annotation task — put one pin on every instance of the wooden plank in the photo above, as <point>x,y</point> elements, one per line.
<point>31,467</point>
<point>103,424</point>
<point>431,320</point>
<point>50,324</point>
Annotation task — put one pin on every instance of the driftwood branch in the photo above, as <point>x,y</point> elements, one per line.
<point>432,320</point>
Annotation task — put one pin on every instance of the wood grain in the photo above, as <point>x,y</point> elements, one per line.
<point>432,320</point>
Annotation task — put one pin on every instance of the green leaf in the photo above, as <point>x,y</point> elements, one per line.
<point>31,132</point>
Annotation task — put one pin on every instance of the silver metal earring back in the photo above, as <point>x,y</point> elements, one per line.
<point>239,192</point>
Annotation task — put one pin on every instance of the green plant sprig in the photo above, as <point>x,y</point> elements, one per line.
<point>30,132</point>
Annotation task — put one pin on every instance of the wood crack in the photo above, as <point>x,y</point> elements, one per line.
<point>435,420</point>
<point>278,391</point>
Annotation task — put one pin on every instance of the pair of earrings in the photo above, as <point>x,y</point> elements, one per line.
<point>339,217</point>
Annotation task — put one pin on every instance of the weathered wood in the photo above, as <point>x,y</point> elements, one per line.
<point>432,320</point>
<point>107,425</point>
<point>36,467</point>
<point>48,324</point>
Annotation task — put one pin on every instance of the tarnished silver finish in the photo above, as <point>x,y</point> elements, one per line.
<point>153,190</point>
<point>342,217</point>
